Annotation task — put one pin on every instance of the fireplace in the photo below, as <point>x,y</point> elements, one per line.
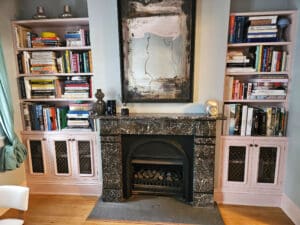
<point>158,164</point>
<point>158,155</point>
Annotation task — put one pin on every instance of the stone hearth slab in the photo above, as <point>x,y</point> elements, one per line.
<point>156,209</point>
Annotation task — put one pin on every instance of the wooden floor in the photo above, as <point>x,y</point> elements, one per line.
<point>74,210</point>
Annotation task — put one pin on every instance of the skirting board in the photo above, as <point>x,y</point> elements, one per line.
<point>65,189</point>
<point>253,199</point>
<point>291,209</point>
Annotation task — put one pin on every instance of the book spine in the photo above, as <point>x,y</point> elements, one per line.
<point>244,120</point>
<point>231,29</point>
<point>249,121</point>
<point>26,114</point>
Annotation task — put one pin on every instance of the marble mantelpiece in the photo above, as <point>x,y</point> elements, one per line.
<point>200,126</point>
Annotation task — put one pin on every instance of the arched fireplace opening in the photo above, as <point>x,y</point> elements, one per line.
<point>158,165</point>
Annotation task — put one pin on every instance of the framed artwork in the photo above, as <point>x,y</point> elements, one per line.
<point>156,49</point>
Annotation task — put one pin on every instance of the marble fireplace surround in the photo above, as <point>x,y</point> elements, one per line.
<point>201,127</point>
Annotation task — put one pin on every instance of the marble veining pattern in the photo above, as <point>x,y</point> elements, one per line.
<point>202,127</point>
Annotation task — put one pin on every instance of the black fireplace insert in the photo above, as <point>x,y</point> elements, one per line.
<point>158,165</point>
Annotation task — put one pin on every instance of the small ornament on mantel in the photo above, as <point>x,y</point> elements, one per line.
<point>67,12</point>
<point>124,110</point>
<point>211,107</point>
<point>99,106</point>
<point>40,13</point>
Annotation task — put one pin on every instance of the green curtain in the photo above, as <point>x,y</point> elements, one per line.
<point>14,152</point>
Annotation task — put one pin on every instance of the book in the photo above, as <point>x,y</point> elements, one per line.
<point>228,89</point>
<point>233,113</point>
<point>26,118</point>
<point>249,121</point>
<point>244,120</point>
<point>239,34</point>
<point>238,119</point>
<point>231,29</point>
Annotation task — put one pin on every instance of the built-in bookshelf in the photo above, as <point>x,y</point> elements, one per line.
<point>256,89</point>
<point>54,64</point>
<point>258,70</point>
<point>55,84</point>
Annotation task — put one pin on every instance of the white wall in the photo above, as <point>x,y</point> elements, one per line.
<point>52,8</point>
<point>210,50</point>
<point>292,182</point>
<point>212,17</point>
<point>7,13</point>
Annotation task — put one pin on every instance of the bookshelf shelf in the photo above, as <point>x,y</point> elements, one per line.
<point>54,49</point>
<point>58,100</point>
<point>55,22</point>
<point>237,45</point>
<point>256,87</point>
<point>256,101</point>
<point>256,73</point>
<point>258,138</point>
<point>56,74</point>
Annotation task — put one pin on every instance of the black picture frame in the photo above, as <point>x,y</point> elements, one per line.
<point>157,50</point>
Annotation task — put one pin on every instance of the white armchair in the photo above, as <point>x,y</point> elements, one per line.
<point>15,197</point>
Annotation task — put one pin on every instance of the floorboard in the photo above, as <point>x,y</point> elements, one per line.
<point>74,210</point>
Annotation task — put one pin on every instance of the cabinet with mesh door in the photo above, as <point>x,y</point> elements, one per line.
<point>63,164</point>
<point>252,167</point>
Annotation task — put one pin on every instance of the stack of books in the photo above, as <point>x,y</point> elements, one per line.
<point>78,115</point>
<point>43,62</point>
<point>239,61</point>
<point>76,87</point>
<point>77,38</point>
<point>38,42</point>
<point>42,87</point>
<point>262,29</point>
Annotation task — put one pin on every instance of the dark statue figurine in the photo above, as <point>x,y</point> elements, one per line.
<point>99,106</point>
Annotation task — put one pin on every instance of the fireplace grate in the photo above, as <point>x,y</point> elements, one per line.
<point>159,179</point>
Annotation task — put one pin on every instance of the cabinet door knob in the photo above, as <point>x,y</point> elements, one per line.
<point>251,145</point>
<point>44,139</point>
<point>255,145</point>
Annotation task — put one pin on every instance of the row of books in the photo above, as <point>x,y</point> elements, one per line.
<point>270,59</point>
<point>253,29</point>
<point>50,62</point>
<point>27,38</point>
<point>48,87</point>
<point>263,87</point>
<point>256,59</point>
<point>247,120</point>
<point>44,117</point>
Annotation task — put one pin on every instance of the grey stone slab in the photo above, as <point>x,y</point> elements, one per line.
<point>158,209</point>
